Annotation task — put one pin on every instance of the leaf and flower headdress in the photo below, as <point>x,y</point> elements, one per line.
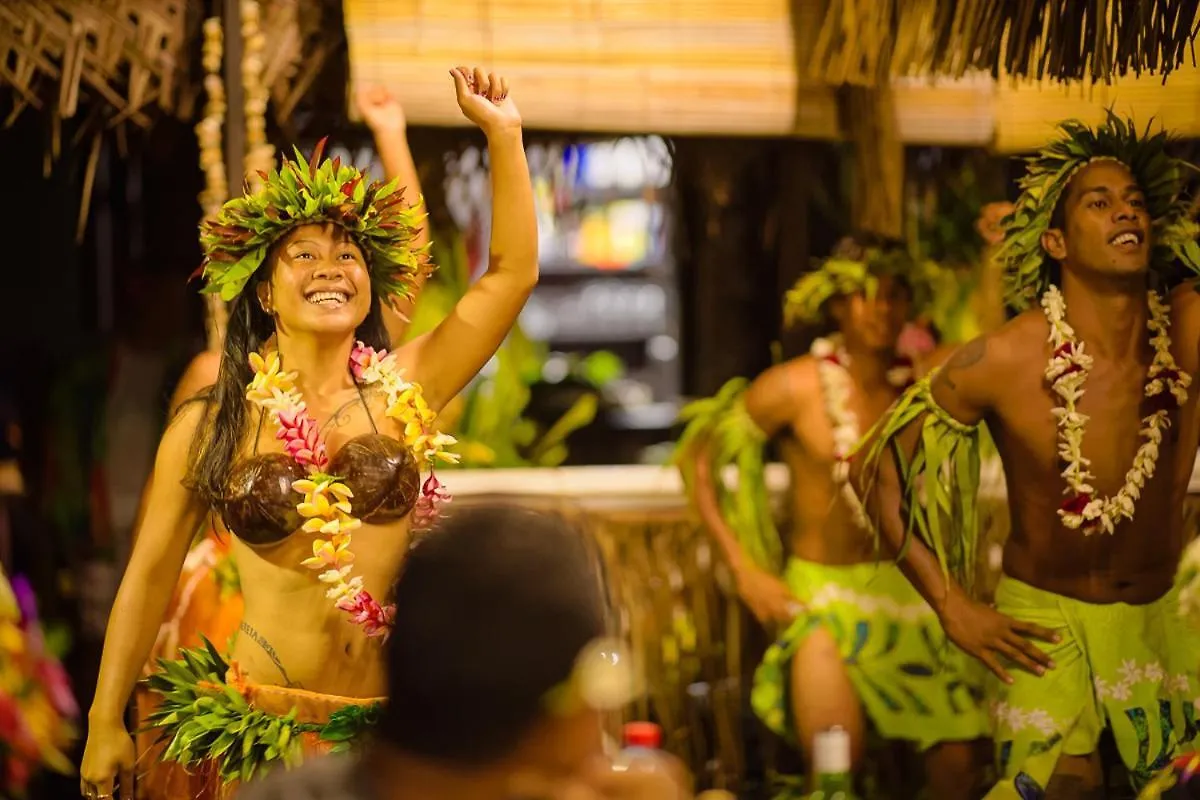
<point>854,268</point>
<point>302,192</point>
<point>1028,268</point>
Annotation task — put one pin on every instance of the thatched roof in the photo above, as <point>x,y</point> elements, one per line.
<point>870,41</point>
<point>117,59</point>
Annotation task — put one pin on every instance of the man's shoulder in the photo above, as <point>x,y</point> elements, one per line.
<point>798,376</point>
<point>779,394</point>
<point>1013,344</point>
<point>323,778</point>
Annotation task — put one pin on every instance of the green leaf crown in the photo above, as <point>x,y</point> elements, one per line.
<point>1028,268</point>
<point>301,192</point>
<point>853,269</point>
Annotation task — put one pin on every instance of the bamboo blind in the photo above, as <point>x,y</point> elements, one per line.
<point>1025,114</point>
<point>666,66</point>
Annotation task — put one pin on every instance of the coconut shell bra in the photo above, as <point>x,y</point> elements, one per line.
<point>260,504</point>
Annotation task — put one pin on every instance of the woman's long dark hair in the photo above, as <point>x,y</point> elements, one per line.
<point>216,441</point>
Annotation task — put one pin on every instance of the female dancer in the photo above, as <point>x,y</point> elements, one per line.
<point>308,260</point>
<point>207,602</point>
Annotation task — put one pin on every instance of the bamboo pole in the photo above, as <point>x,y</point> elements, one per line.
<point>212,162</point>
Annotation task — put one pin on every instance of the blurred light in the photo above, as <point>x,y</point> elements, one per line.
<point>662,348</point>
<point>556,368</point>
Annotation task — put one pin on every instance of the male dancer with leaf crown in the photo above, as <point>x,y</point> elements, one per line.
<point>1088,395</point>
<point>859,645</point>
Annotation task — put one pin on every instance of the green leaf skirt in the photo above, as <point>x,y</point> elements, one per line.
<point>224,729</point>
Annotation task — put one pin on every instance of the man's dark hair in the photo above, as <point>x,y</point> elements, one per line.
<point>492,609</point>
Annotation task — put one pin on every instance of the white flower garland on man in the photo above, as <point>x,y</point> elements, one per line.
<point>1067,372</point>
<point>833,373</point>
<point>1028,273</point>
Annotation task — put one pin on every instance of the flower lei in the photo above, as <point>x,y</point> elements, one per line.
<point>1067,371</point>
<point>326,499</point>
<point>834,375</point>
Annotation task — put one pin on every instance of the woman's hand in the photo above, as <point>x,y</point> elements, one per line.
<point>988,635</point>
<point>108,761</point>
<point>380,109</point>
<point>768,598</point>
<point>484,100</point>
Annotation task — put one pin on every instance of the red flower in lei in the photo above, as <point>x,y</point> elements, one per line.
<point>429,507</point>
<point>1076,504</point>
<point>365,610</point>
<point>1163,401</point>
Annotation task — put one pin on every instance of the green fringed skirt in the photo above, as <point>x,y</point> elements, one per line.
<point>222,729</point>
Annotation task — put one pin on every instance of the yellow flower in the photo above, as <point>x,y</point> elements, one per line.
<point>271,384</point>
<point>335,553</point>
<point>322,499</point>
<point>341,523</point>
<point>12,641</point>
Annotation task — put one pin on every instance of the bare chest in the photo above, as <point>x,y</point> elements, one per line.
<point>827,427</point>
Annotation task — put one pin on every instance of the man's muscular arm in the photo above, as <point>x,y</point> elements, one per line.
<point>964,390</point>
<point>772,404</point>
<point>960,387</point>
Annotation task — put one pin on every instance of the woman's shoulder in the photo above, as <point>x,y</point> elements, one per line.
<point>197,379</point>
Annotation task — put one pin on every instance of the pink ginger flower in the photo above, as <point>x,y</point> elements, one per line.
<point>301,438</point>
<point>365,610</point>
<point>14,731</point>
<point>429,506</point>
<point>57,687</point>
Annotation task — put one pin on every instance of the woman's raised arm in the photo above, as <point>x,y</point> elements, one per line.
<point>385,117</point>
<point>450,355</point>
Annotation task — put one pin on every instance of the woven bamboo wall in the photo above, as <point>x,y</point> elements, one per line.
<point>666,66</point>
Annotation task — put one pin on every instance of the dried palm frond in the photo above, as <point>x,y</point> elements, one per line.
<point>871,41</point>
<point>124,56</point>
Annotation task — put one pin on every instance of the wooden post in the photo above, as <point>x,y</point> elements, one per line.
<point>877,187</point>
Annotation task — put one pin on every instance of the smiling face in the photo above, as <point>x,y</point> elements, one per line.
<point>1102,225</point>
<point>319,282</point>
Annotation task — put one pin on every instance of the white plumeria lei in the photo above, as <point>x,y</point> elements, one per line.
<point>1067,371</point>
<point>834,375</point>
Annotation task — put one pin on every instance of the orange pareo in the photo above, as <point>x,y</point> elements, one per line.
<point>207,604</point>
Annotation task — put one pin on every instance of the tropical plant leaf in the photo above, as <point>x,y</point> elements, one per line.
<point>202,718</point>
<point>720,430</point>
